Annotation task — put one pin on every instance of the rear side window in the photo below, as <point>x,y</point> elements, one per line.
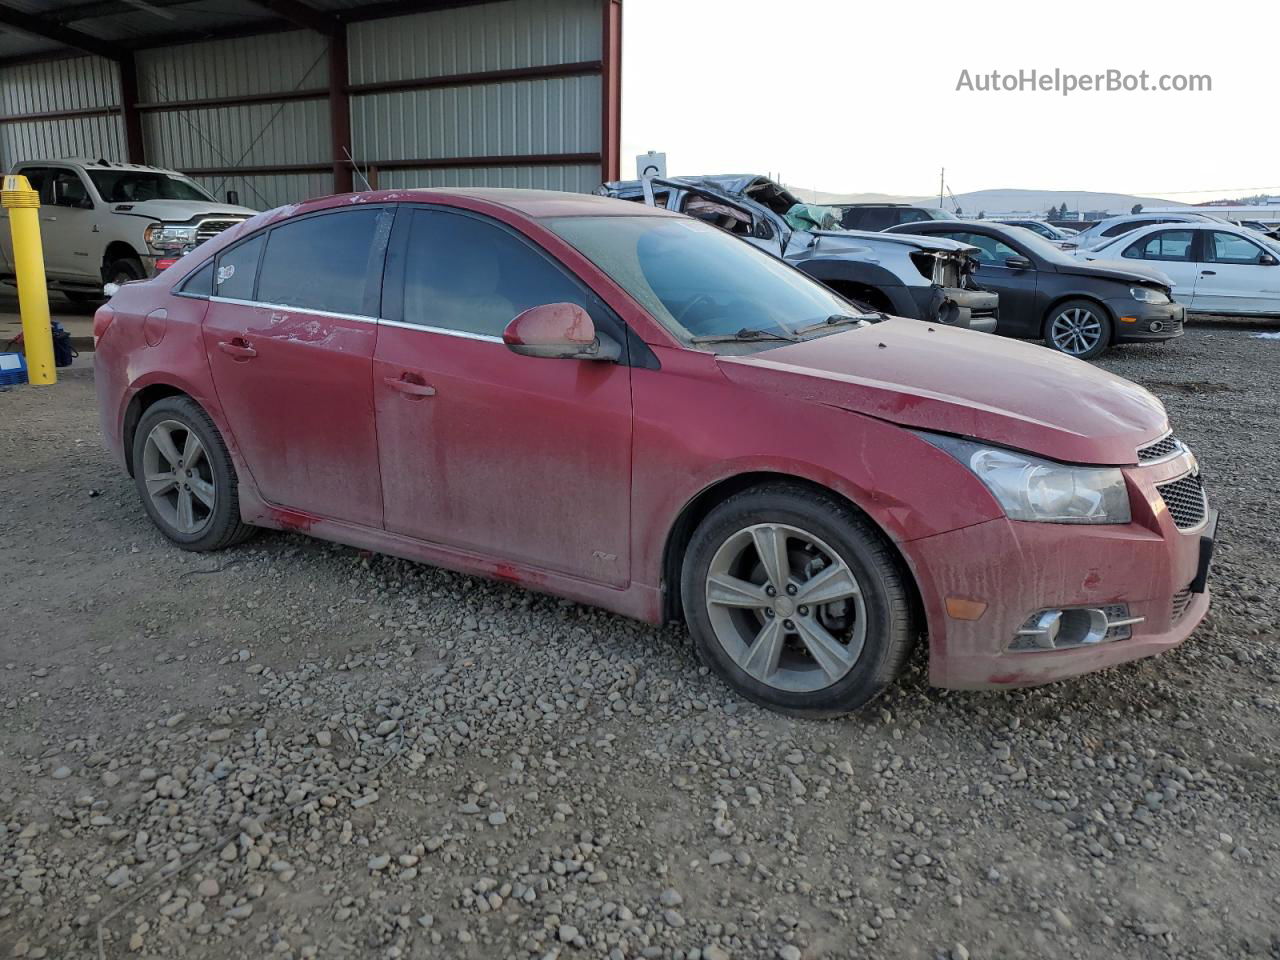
<point>1162,245</point>
<point>238,269</point>
<point>1116,229</point>
<point>912,216</point>
<point>320,262</point>
<point>200,283</point>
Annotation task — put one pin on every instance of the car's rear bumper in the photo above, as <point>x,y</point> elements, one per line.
<point>1136,322</point>
<point>1018,569</point>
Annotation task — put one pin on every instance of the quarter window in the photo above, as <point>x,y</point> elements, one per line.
<point>320,262</point>
<point>466,275</point>
<point>1119,228</point>
<point>1163,245</point>
<point>238,269</point>
<point>1230,248</point>
<point>200,283</point>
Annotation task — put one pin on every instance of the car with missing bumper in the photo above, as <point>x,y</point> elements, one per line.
<point>1079,308</point>
<point>105,222</point>
<point>919,277</point>
<point>630,408</point>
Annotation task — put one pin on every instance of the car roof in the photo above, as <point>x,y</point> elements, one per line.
<point>535,204</point>
<point>92,163</point>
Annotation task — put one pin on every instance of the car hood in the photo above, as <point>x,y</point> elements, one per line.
<point>182,211</point>
<point>929,377</point>
<point>1114,270</point>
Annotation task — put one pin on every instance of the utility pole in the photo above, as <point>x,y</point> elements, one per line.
<point>942,183</point>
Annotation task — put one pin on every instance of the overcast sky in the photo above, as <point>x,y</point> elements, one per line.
<point>849,96</point>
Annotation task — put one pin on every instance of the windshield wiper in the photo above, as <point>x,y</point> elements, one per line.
<point>835,320</point>
<point>745,334</point>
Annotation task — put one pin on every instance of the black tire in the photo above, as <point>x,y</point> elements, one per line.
<point>83,298</point>
<point>888,633</point>
<point>222,527</point>
<point>124,270</point>
<point>1089,313</point>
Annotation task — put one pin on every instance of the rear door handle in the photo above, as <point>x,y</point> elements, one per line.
<point>410,388</point>
<point>238,348</point>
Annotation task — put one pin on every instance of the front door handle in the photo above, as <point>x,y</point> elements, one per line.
<point>238,348</point>
<point>1208,273</point>
<point>410,388</point>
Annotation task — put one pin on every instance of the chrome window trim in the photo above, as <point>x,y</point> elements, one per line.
<point>404,325</point>
<point>309,311</point>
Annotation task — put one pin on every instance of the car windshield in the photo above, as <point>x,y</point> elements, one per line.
<point>701,282</point>
<point>137,186</point>
<point>1041,247</point>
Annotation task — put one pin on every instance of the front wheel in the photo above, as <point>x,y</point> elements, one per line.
<point>1078,328</point>
<point>124,270</point>
<point>185,476</point>
<point>796,601</point>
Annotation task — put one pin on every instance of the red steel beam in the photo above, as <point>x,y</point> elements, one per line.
<point>577,68</point>
<point>611,92</point>
<point>462,163</point>
<point>135,149</point>
<point>339,111</point>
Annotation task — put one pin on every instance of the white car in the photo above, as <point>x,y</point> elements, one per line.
<point>104,222</point>
<point>1104,230</point>
<point>1215,267</point>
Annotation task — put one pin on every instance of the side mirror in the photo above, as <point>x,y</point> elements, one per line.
<point>559,331</point>
<point>1267,260</point>
<point>1018,263</point>
<point>233,198</point>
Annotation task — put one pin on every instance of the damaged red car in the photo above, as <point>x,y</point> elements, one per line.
<point>632,409</point>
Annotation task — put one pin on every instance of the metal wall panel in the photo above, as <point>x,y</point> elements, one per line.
<point>576,178</point>
<point>74,84</point>
<point>51,139</point>
<point>555,115</point>
<point>263,192</point>
<point>491,36</point>
<point>231,68</point>
<point>255,135</point>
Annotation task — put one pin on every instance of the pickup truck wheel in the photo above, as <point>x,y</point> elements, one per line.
<point>1078,328</point>
<point>186,478</point>
<point>76,297</point>
<point>797,601</point>
<point>124,270</point>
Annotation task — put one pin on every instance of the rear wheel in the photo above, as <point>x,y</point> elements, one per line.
<point>1078,328</point>
<point>186,478</point>
<point>124,270</point>
<point>796,601</point>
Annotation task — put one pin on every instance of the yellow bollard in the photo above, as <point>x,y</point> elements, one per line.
<point>23,205</point>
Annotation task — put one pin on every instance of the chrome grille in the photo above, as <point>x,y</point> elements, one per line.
<point>1185,499</point>
<point>1166,446</point>
<point>1181,600</point>
<point>208,229</point>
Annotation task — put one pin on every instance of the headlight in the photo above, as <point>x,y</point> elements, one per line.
<point>163,236</point>
<point>1029,488</point>
<point>1147,295</point>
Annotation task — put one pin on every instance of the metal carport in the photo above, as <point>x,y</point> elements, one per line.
<point>276,98</point>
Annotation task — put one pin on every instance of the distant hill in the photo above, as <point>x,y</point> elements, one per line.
<point>1000,201</point>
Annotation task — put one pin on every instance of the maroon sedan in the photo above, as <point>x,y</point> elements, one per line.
<point>631,409</point>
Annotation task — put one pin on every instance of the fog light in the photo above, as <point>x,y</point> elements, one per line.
<point>1155,326</point>
<point>1074,627</point>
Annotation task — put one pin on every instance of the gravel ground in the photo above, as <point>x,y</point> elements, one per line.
<point>300,750</point>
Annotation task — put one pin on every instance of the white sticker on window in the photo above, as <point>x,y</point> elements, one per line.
<point>226,272</point>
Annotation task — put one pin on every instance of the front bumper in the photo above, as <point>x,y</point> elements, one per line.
<point>1139,322</point>
<point>958,307</point>
<point>1018,568</point>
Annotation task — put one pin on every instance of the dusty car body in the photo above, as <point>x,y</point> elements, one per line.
<point>925,279</point>
<point>810,497</point>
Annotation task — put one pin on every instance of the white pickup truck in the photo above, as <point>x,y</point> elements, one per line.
<point>104,222</point>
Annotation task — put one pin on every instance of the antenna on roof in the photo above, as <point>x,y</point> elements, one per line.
<point>357,169</point>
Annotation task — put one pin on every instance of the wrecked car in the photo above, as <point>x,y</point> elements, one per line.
<point>923,278</point>
<point>630,408</point>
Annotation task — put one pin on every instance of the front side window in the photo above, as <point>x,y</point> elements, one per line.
<point>237,269</point>
<point>990,250</point>
<point>697,281</point>
<point>69,190</point>
<point>470,276</point>
<point>1232,248</point>
<point>320,262</point>
<point>1162,245</point>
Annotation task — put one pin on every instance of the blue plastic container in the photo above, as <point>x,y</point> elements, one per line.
<point>13,369</point>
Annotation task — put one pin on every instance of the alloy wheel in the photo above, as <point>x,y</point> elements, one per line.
<point>786,607</point>
<point>1075,331</point>
<point>179,477</point>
